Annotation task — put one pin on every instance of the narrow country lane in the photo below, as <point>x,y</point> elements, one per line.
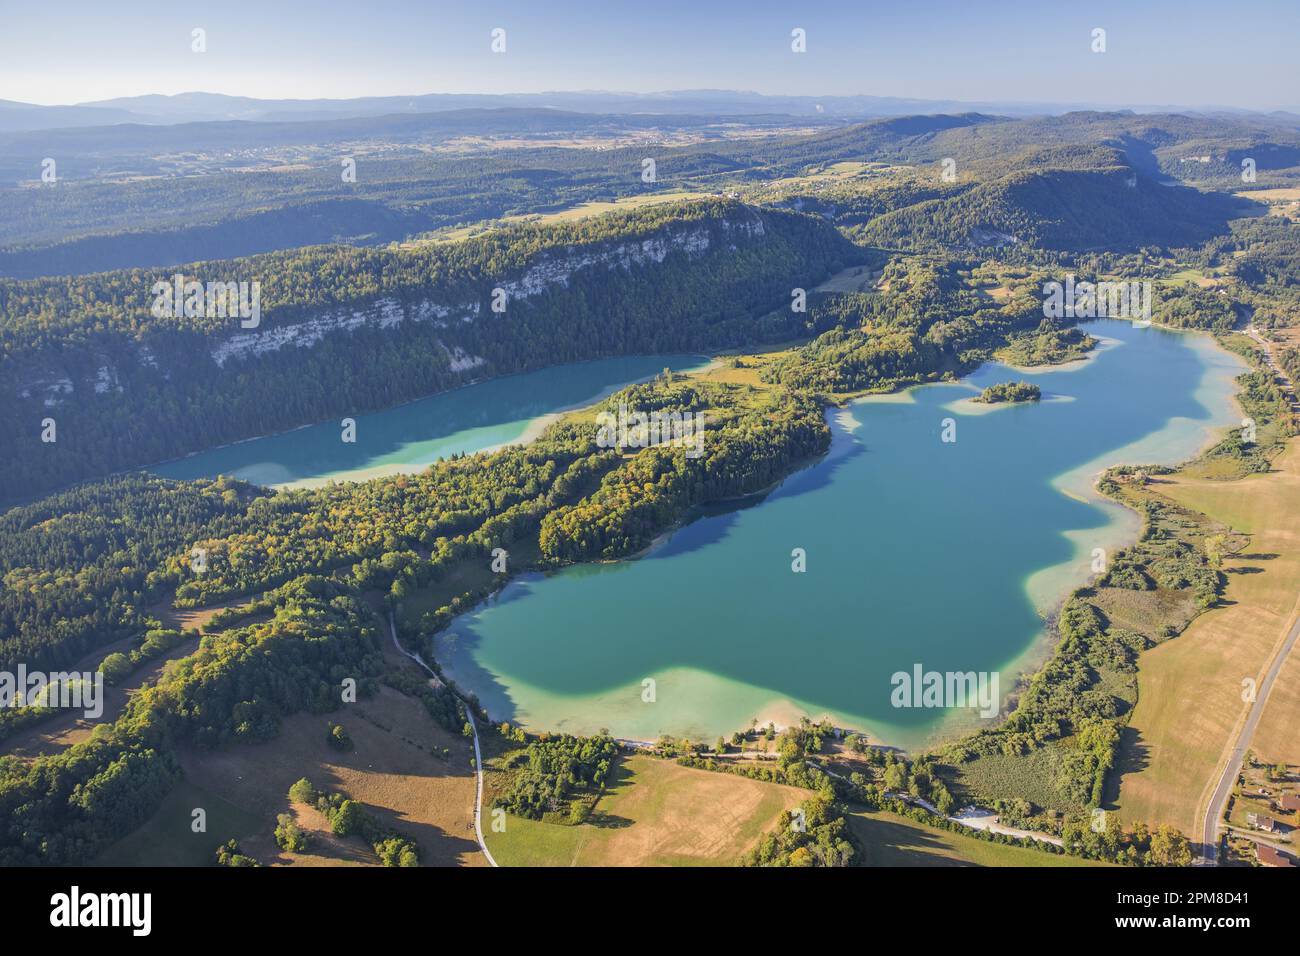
<point>478,753</point>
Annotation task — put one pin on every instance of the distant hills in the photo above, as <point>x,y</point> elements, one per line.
<point>1060,208</point>
<point>199,107</point>
<point>1157,144</point>
<point>147,195</point>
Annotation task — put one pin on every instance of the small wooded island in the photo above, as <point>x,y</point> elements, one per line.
<point>1010,392</point>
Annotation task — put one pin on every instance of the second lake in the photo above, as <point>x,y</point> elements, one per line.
<point>410,437</point>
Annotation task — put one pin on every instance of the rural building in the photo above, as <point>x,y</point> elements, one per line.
<point>1290,802</point>
<point>1271,857</point>
<point>1261,822</point>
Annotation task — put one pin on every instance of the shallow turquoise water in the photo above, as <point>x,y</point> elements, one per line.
<point>409,437</point>
<point>918,552</point>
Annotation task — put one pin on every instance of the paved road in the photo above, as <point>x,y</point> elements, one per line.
<point>478,754</point>
<point>1214,812</point>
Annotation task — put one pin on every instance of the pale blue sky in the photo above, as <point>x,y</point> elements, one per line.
<point>1159,51</point>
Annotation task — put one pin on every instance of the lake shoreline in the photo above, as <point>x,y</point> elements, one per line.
<point>1025,663</point>
<point>1028,664</point>
<point>533,426</point>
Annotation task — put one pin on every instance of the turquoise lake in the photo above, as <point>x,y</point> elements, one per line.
<point>409,437</point>
<point>919,552</point>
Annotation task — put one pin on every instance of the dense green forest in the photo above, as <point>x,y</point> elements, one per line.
<point>170,396</point>
<point>558,778</point>
<point>929,323</point>
<point>67,807</point>
<point>745,451</point>
<point>80,569</point>
<point>1069,209</point>
<point>1009,392</point>
<point>1048,344</point>
<point>63,312</point>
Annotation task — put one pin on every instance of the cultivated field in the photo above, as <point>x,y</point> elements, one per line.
<point>657,813</point>
<point>1283,201</point>
<point>1276,738</point>
<point>852,279</point>
<point>584,210</point>
<point>395,769</point>
<point>887,839</point>
<point>1190,688</point>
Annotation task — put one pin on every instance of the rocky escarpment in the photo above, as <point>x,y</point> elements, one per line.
<point>551,269</point>
<point>129,387</point>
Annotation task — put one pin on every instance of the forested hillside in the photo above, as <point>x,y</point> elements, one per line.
<point>81,568</point>
<point>930,323</point>
<point>1066,208</point>
<point>347,330</point>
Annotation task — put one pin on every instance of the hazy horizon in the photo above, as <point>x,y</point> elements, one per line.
<point>681,93</point>
<point>1191,55</point>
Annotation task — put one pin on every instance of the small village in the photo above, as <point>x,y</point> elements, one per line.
<point>1263,816</point>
